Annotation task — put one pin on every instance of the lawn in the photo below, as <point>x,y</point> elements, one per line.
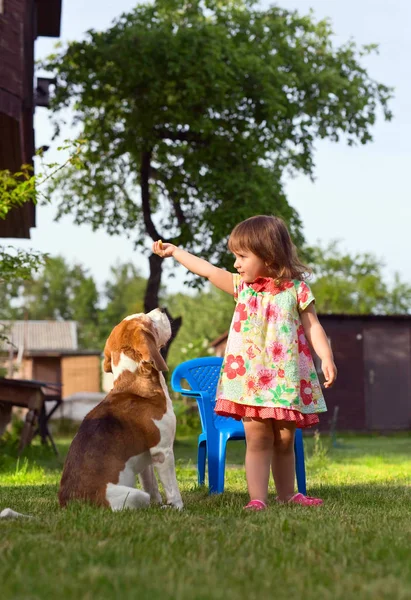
<point>358,545</point>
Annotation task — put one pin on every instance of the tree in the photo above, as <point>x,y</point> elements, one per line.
<point>15,190</point>
<point>124,295</point>
<point>192,110</point>
<point>354,284</point>
<point>63,292</point>
<point>398,301</point>
<point>18,264</point>
<point>206,316</point>
<point>15,264</point>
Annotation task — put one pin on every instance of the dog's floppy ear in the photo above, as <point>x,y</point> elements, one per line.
<point>107,357</point>
<point>149,351</point>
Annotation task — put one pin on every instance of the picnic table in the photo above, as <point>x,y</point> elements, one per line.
<point>33,395</point>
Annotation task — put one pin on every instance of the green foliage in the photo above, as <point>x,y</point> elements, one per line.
<point>206,315</point>
<point>123,293</point>
<point>10,440</point>
<point>355,284</point>
<point>23,186</point>
<point>59,291</point>
<point>67,292</point>
<point>398,300</point>
<point>191,112</point>
<point>15,190</point>
<point>17,264</point>
<point>188,418</point>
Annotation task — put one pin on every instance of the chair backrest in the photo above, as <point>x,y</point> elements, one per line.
<point>202,375</point>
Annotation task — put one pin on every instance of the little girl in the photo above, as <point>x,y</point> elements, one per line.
<point>268,378</point>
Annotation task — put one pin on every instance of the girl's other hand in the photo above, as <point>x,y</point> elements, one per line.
<point>330,372</point>
<point>163,250</point>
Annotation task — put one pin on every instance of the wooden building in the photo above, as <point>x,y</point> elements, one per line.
<point>373,357</point>
<point>47,351</point>
<point>21,22</point>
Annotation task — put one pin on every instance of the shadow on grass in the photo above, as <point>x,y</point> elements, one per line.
<point>186,449</point>
<point>39,468</point>
<point>41,500</point>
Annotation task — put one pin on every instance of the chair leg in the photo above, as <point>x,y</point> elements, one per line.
<point>201,461</point>
<point>216,454</point>
<point>299,462</point>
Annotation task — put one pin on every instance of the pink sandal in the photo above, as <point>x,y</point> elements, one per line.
<point>255,505</point>
<point>303,500</point>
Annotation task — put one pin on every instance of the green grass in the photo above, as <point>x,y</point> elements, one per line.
<point>358,545</point>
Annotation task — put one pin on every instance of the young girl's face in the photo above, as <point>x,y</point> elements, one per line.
<point>250,266</point>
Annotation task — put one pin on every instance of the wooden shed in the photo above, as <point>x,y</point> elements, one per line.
<point>373,357</point>
<point>48,351</point>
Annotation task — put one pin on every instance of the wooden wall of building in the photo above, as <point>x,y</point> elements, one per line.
<point>76,373</point>
<point>17,35</point>
<point>373,389</point>
<point>21,21</point>
<point>80,374</point>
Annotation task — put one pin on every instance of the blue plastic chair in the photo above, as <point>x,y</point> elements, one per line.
<point>202,375</point>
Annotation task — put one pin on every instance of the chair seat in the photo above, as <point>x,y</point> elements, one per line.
<point>229,424</point>
<point>202,375</point>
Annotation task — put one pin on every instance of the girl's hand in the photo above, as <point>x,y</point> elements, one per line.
<point>163,250</point>
<point>330,372</point>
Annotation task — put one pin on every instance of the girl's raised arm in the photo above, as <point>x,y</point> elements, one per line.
<point>218,277</point>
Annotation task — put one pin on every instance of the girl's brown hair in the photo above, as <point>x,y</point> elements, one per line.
<point>268,238</point>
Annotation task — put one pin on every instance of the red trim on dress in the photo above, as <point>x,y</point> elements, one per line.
<point>266,284</point>
<point>226,408</point>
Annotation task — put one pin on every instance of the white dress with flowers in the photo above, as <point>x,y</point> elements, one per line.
<point>268,370</point>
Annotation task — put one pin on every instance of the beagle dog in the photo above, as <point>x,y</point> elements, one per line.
<point>132,429</point>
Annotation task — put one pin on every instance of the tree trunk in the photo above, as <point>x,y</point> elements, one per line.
<point>151,298</point>
<point>156,266</point>
<point>154,282</point>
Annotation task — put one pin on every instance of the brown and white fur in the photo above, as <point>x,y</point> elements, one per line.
<point>132,429</point>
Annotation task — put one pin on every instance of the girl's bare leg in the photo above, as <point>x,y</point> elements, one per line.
<point>259,436</point>
<point>283,460</point>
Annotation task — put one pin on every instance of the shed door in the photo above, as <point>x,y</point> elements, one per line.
<point>387,377</point>
<point>348,392</point>
<point>47,369</point>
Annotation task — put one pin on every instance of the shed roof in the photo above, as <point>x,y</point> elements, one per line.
<point>39,335</point>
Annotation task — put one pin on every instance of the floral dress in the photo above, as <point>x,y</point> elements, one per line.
<point>268,370</point>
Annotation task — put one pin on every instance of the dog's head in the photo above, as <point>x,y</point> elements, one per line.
<point>137,340</point>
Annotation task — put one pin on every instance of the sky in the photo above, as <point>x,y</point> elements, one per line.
<point>360,195</point>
